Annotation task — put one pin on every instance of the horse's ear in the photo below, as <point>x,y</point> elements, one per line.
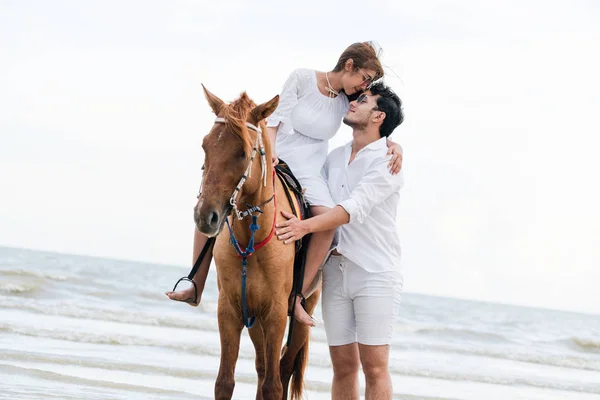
<point>263,110</point>
<point>213,101</point>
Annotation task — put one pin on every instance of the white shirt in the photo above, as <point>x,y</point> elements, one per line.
<point>367,190</point>
<point>307,119</point>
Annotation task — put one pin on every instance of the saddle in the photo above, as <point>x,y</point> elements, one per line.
<point>294,194</point>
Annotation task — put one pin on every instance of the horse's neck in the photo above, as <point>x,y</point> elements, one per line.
<point>265,219</point>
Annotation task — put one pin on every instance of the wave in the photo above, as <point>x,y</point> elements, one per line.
<point>34,274</point>
<point>580,344</point>
<point>121,365</point>
<point>521,355</point>
<point>108,365</point>
<point>462,334</point>
<point>69,379</point>
<point>103,314</point>
<point>116,339</point>
<point>590,345</point>
<point>206,323</point>
<point>18,288</point>
<point>573,386</point>
<point>515,351</point>
<point>111,339</point>
<point>321,386</point>
<point>241,376</point>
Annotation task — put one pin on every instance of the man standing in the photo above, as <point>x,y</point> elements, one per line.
<point>361,278</point>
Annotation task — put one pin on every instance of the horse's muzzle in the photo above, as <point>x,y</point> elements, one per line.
<point>210,222</point>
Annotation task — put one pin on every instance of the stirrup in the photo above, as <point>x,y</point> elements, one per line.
<point>293,307</point>
<point>302,300</point>
<point>192,273</point>
<point>189,299</point>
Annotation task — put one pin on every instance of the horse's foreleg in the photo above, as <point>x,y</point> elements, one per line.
<point>256,334</point>
<point>274,329</point>
<point>230,329</point>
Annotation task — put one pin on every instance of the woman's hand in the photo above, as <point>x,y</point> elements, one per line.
<point>291,230</point>
<point>395,150</point>
<point>272,132</point>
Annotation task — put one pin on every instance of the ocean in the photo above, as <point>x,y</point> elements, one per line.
<point>77,327</point>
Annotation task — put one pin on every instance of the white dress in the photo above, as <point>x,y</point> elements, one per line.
<point>307,119</point>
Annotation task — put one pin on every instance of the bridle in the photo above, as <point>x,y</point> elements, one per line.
<point>258,147</point>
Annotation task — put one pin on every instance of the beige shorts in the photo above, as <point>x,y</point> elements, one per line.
<point>359,306</point>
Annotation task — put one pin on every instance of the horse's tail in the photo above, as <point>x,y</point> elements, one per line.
<point>295,357</point>
<point>300,362</point>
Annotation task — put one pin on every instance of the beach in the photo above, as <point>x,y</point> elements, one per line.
<point>78,327</point>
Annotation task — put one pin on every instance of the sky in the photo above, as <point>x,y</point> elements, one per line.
<point>102,117</point>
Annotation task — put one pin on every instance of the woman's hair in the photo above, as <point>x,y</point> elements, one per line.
<point>364,55</point>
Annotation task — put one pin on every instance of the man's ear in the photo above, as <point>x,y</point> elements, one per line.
<point>379,117</point>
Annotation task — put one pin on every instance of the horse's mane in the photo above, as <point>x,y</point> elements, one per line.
<point>236,115</point>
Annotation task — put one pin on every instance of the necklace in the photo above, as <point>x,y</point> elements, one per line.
<point>332,92</point>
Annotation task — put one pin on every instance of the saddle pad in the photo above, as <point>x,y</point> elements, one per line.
<point>294,191</point>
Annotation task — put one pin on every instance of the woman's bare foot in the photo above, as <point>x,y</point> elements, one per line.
<point>301,315</point>
<point>186,296</point>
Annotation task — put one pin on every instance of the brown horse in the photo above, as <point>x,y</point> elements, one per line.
<point>238,173</point>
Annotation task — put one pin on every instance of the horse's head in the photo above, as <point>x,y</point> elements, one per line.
<point>227,155</point>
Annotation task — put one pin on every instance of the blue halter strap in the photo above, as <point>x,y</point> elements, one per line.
<point>244,254</point>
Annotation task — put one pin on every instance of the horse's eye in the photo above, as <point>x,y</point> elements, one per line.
<point>242,154</point>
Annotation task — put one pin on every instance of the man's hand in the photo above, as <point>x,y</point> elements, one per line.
<point>395,150</point>
<point>291,230</point>
<point>275,160</point>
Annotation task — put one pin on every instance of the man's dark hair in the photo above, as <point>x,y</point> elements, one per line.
<point>390,104</point>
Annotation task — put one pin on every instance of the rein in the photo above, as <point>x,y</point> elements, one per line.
<point>251,248</point>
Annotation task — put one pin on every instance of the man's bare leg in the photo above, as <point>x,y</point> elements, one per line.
<point>374,360</point>
<point>345,360</point>
<point>318,247</point>
<point>187,295</point>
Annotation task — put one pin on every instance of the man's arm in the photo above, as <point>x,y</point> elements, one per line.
<point>374,187</point>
